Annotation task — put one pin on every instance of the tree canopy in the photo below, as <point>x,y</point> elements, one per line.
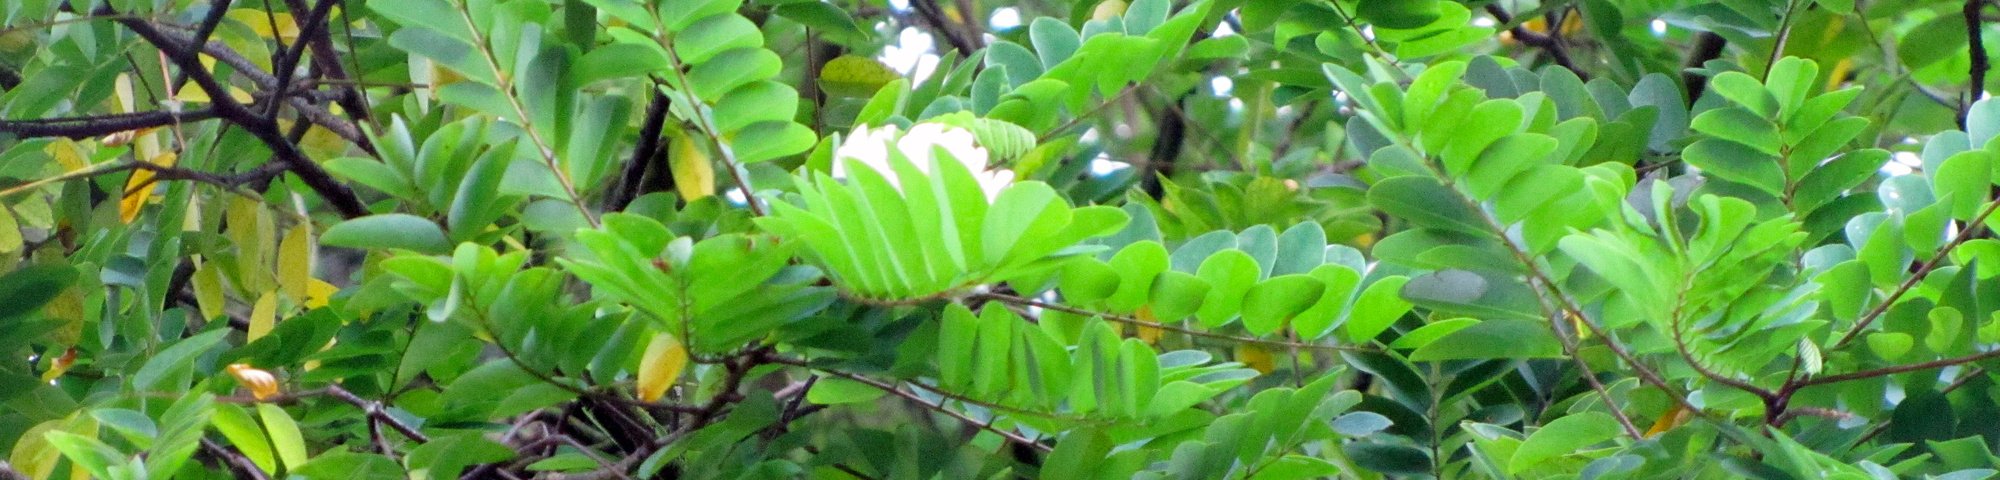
<point>1062,239</point>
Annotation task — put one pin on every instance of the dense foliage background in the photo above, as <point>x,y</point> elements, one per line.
<point>921,239</point>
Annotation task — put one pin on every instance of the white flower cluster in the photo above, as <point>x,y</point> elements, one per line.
<point>870,147</point>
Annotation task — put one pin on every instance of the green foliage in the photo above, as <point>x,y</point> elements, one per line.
<point>1084,239</point>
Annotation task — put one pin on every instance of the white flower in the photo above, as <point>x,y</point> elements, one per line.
<point>871,147</point>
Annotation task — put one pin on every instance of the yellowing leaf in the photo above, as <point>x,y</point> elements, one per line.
<point>68,154</point>
<point>1107,9</point>
<point>263,316</point>
<point>1255,357</point>
<point>34,212</point>
<point>262,384</point>
<point>10,231</point>
<point>260,21</point>
<point>694,170</point>
<point>208,294</point>
<point>662,364</point>
<point>1147,334</point>
<point>255,234</point>
<point>855,76</point>
<point>59,365</point>
<point>34,457</point>
<point>295,262</point>
<point>68,307</point>
<point>317,293</point>
<point>139,188</point>
<point>322,144</point>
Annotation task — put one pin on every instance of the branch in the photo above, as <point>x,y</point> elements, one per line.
<point>1707,46</point>
<point>235,460</point>
<point>940,408</point>
<point>1900,369</point>
<point>1972,227</point>
<point>650,144</point>
<point>1973,39</point>
<point>1557,52</point>
<point>337,194</point>
<point>101,125</point>
<point>376,413</point>
<point>931,13</point>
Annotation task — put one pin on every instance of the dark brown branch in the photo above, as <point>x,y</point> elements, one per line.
<point>649,146</point>
<point>1971,230</point>
<point>932,14</point>
<point>376,413</point>
<point>1707,46</point>
<point>326,60</point>
<point>1974,40</point>
<point>241,464</point>
<point>337,194</point>
<point>1900,369</point>
<point>101,125</point>
<point>310,26</point>
<point>217,10</point>
<point>1549,43</point>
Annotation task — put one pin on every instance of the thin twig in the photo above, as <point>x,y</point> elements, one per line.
<point>235,460</point>
<point>1549,42</point>
<point>101,125</point>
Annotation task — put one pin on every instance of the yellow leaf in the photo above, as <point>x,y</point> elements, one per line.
<point>68,307</point>
<point>1147,334</point>
<point>1674,417</point>
<point>322,144</point>
<point>34,212</point>
<point>35,458</point>
<point>855,76</point>
<point>295,262</point>
<point>122,92</point>
<point>10,231</point>
<point>694,171</point>
<point>254,232</point>
<point>317,293</point>
<point>260,21</point>
<point>1108,9</point>
<point>1255,357</point>
<point>139,188</point>
<point>59,365</point>
<point>262,384</point>
<point>208,290</point>
<point>665,357</point>
<point>263,316</point>
<point>68,154</point>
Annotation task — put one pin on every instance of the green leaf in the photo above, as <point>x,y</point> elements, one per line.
<point>619,60</point>
<point>1176,295</point>
<point>30,287</point>
<point>1399,14</point>
<point>393,230</point>
<point>1493,339</point>
<point>448,455</point>
<point>768,140</point>
<point>714,34</point>
<point>1425,202</point>
<point>1562,437</point>
<point>1890,345</point>
<point>1965,178</point>
<point>1430,333</point>
<point>243,433</point>
<point>1390,459</point>
<point>1738,163</point>
<point>174,360</point>
<point>290,445</point>
<point>1745,91</point>
<point>1054,40</point>
<point>1378,307</point>
<point>1271,303</point>
<point>1232,273</point>
<point>731,69</point>
<point>1741,126</point>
